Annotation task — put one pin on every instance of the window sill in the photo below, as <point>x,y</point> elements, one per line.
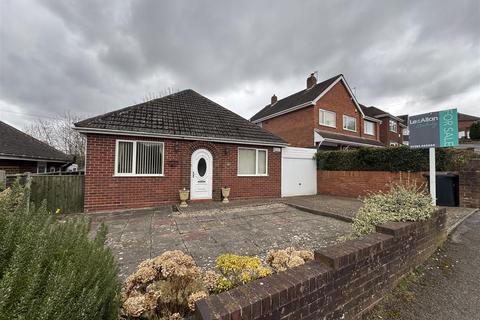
<point>326,125</point>
<point>349,130</point>
<point>252,175</point>
<point>137,175</point>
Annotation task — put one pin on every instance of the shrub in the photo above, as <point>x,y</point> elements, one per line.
<point>237,270</point>
<point>51,269</point>
<point>165,287</point>
<point>475,131</point>
<point>281,260</point>
<point>391,159</point>
<point>400,203</point>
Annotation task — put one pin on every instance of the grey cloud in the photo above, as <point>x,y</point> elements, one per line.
<point>93,56</point>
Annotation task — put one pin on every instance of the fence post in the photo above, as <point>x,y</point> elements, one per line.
<point>28,190</point>
<point>3,180</point>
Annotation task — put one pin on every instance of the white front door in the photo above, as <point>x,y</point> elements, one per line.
<point>201,175</point>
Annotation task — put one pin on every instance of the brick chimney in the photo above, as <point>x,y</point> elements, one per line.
<point>274,99</point>
<point>311,81</point>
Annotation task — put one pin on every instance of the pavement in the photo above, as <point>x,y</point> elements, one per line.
<point>204,234</point>
<point>449,286</point>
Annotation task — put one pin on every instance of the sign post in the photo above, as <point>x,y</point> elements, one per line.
<point>430,130</point>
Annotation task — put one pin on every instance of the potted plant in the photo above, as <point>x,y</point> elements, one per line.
<point>184,193</point>
<point>225,194</point>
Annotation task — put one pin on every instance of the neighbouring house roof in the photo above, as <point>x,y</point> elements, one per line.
<point>376,113</point>
<point>404,118</point>
<point>467,117</point>
<point>300,99</point>
<point>184,115</point>
<point>15,144</point>
<point>348,140</point>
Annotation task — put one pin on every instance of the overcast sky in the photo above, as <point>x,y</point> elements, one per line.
<point>91,57</point>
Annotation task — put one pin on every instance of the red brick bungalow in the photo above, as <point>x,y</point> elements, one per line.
<point>142,155</point>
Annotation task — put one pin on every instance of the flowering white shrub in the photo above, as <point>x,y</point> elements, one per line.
<point>401,203</point>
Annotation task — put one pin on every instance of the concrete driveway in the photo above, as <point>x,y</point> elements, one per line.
<point>246,230</point>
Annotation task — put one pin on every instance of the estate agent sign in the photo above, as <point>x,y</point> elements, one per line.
<point>434,129</point>
<point>430,130</point>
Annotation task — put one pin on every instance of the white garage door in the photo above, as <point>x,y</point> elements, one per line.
<point>299,172</point>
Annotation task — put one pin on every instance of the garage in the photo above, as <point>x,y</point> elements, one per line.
<point>299,172</point>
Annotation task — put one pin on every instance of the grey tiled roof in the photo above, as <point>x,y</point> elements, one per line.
<point>295,99</point>
<point>375,112</point>
<point>185,113</point>
<point>15,143</point>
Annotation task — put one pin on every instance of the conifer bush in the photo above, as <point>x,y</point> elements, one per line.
<point>51,269</point>
<point>475,131</point>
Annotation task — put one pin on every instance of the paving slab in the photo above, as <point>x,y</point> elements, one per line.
<point>204,234</point>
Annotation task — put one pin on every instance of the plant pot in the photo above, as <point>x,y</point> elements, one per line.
<point>183,197</point>
<point>225,195</point>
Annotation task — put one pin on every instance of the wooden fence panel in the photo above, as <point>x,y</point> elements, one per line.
<point>61,192</point>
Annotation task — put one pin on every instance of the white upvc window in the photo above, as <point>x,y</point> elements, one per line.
<point>369,128</point>
<point>349,123</point>
<point>392,125</point>
<point>252,162</point>
<point>139,158</point>
<point>327,118</point>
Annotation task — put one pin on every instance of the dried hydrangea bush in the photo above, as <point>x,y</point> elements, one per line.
<point>281,260</point>
<point>405,202</point>
<point>237,270</point>
<point>165,287</point>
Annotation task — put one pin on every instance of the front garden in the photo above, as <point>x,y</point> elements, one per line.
<point>52,269</point>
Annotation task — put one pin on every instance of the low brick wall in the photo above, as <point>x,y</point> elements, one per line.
<point>341,283</point>
<point>361,183</point>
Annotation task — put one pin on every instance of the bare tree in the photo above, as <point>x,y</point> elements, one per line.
<point>155,95</point>
<point>59,134</point>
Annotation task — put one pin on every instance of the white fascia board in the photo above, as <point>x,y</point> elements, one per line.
<point>177,137</point>
<point>32,159</point>
<point>372,119</point>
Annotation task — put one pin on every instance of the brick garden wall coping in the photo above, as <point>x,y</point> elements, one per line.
<point>342,282</point>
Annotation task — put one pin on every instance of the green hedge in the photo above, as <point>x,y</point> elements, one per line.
<point>391,159</point>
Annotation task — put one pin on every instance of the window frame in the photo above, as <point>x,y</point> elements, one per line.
<point>320,118</point>
<point>256,174</point>
<point>345,128</point>
<point>390,121</point>
<point>134,159</point>
<point>365,127</point>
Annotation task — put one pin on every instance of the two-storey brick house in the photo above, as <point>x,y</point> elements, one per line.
<point>325,115</point>
<point>391,127</point>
